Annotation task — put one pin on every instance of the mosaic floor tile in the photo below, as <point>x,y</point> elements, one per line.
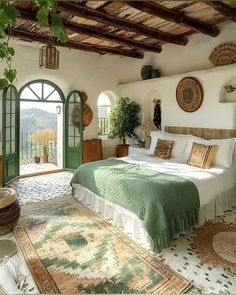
<point>43,187</point>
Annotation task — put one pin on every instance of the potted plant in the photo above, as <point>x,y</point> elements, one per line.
<point>36,159</point>
<point>123,120</point>
<point>44,137</point>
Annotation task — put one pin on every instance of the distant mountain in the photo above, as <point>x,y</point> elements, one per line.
<point>33,119</point>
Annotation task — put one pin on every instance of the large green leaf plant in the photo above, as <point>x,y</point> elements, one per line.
<point>8,16</point>
<point>124,119</point>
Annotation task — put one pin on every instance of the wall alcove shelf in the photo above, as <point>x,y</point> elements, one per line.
<point>228,97</point>
<point>228,91</point>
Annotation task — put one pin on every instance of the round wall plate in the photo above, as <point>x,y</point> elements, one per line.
<point>189,94</point>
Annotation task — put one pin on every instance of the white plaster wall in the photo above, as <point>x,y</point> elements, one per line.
<point>193,56</point>
<point>213,113</point>
<point>175,59</point>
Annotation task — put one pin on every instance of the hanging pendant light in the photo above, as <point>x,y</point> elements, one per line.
<point>49,57</point>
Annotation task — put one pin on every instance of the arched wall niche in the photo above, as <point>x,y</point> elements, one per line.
<point>148,105</point>
<point>107,144</point>
<point>230,95</point>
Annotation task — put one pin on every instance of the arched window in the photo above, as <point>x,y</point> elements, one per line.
<point>41,90</point>
<point>104,109</point>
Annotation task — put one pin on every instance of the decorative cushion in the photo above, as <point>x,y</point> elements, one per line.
<point>202,155</point>
<point>178,152</point>
<point>163,149</point>
<point>224,151</point>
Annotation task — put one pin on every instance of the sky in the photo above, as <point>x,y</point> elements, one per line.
<point>45,106</point>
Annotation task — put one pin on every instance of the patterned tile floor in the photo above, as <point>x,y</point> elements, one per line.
<point>181,256</point>
<point>43,187</point>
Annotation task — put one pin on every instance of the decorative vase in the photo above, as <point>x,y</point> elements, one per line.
<point>146,72</point>
<point>155,73</point>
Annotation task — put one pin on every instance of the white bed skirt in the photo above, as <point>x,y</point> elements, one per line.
<point>132,225</point>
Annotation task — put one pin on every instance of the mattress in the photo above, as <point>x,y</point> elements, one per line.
<point>216,187</point>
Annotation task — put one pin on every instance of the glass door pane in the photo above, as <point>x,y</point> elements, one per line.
<point>73,130</point>
<point>10,134</point>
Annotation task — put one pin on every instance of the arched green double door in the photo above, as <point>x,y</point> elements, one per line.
<point>72,134</point>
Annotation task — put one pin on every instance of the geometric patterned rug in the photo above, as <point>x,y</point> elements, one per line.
<point>70,249</point>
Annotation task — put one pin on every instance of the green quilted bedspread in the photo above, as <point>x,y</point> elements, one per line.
<point>168,204</point>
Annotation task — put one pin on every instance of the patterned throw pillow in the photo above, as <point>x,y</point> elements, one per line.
<point>163,149</point>
<point>202,155</point>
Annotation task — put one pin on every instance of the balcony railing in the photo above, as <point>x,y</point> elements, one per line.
<point>29,149</point>
<point>103,126</point>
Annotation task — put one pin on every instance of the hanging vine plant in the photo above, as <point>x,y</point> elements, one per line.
<point>8,16</point>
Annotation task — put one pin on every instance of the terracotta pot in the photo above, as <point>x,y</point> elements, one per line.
<point>44,158</point>
<point>122,150</point>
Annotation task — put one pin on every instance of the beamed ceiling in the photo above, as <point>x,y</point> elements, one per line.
<point>127,28</point>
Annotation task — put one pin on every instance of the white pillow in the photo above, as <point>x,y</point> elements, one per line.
<point>179,147</point>
<point>224,151</point>
<point>154,138</point>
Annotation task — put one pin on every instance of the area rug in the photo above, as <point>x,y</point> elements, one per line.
<point>70,249</point>
<point>216,245</point>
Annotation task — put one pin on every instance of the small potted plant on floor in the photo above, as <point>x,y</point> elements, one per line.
<point>123,120</point>
<point>36,159</point>
<point>44,137</point>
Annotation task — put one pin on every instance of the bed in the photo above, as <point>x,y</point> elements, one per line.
<point>216,187</point>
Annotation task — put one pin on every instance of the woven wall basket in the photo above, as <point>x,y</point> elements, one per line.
<point>223,54</point>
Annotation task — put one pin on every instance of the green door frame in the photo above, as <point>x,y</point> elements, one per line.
<point>10,134</point>
<point>73,150</point>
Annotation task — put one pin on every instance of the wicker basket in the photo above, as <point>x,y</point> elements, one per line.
<point>9,210</point>
<point>223,54</point>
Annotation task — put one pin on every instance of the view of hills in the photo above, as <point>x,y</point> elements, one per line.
<point>33,119</point>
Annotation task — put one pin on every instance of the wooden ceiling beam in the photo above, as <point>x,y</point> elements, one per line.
<point>224,9</point>
<point>117,22</point>
<point>31,36</point>
<point>175,16</point>
<point>82,29</point>
<point>93,32</point>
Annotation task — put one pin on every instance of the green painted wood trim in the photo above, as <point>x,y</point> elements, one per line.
<point>67,150</point>
<point>43,81</point>
<point>13,156</point>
